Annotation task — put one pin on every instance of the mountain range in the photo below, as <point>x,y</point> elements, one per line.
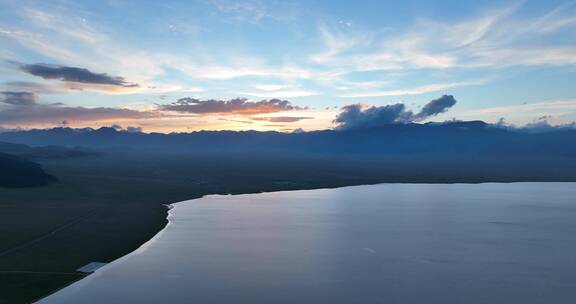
<point>471,139</point>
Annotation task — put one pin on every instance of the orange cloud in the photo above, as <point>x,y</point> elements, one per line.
<point>237,106</point>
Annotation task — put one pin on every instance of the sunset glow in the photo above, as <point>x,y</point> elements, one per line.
<point>175,66</point>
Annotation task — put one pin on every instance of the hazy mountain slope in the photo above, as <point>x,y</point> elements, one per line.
<point>44,152</point>
<point>18,172</point>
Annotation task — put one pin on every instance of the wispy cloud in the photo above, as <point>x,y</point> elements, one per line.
<point>249,68</point>
<point>338,42</point>
<point>281,94</point>
<point>40,44</point>
<point>255,11</point>
<point>243,11</point>
<point>81,30</point>
<point>554,111</point>
<point>271,87</point>
<point>35,87</point>
<point>492,40</point>
<point>556,105</point>
<point>281,119</point>
<point>414,91</point>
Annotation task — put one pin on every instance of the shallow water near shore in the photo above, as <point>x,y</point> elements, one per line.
<point>388,243</point>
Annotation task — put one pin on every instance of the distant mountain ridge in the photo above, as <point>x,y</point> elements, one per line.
<point>451,139</point>
<point>43,152</point>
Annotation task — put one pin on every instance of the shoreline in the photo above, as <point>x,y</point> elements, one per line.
<point>170,206</point>
<point>131,195</point>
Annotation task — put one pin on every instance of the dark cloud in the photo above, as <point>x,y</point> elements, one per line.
<point>23,108</point>
<point>73,74</point>
<point>436,107</point>
<point>357,117</point>
<point>281,118</point>
<point>240,106</point>
<point>18,98</point>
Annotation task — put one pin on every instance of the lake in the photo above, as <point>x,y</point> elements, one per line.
<point>387,243</point>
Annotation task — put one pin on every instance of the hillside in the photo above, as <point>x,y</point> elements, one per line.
<point>18,172</point>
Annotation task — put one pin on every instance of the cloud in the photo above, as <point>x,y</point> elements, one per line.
<point>129,129</point>
<point>18,98</point>
<point>40,44</point>
<point>281,94</point>
<point>237,120</point>
<point>415,91</point>
<point>437,106</point>
<point>356,116</point>
<point>74,74</point>
<point>562,111</point>
<point>238,106</point>
<point>255,11</point>
<point>271,87</point>
<point>33,86</point>
<point>543,125</point>
<point>246,67</point>
<point>43,113</point>
<point>539,125</point>
<point>547,106</point>
<point>243,11</point>
<point>279,91</point>
<point>79,42</point>
<point>73,87</point>
<point>23,108</point>
<point>338,42</point>
<point>496,39</point>
<point>72,26</point>
<point>281,118</point>
<point>132,129</point>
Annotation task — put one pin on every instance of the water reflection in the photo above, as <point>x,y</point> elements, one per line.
<point>401,243</point>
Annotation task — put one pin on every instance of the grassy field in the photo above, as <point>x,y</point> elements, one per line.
<point>106,206</point>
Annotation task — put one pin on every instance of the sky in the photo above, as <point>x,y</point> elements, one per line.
<point>180,66</point>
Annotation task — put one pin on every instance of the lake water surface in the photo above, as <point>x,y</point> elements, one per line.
<point>389,243</point>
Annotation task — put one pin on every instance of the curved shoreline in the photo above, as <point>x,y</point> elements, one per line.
<point>171,206</point>
<point>113,276</point>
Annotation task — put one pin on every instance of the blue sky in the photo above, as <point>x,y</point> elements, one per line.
<point>510,59</point>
